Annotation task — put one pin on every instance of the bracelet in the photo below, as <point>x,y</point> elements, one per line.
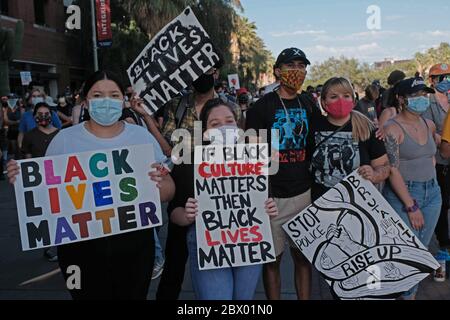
<point>412,209</point>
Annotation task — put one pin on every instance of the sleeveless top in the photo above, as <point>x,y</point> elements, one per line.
<point>416,161</point>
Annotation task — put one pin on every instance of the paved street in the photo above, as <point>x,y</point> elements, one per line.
<point>17,267</point>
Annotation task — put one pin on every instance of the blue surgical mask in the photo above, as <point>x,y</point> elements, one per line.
<point>105,111</point>
<point>443,86</point>
<point>37,100</point>
<point>12,103</point>
<point>418,105</point>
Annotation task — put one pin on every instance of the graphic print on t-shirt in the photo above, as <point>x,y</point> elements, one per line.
<point>292,137</point>
<point>336,158</point>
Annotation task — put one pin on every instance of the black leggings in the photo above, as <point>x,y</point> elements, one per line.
<point>176,255</point>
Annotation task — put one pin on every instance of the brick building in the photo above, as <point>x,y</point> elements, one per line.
<point>54,55</point>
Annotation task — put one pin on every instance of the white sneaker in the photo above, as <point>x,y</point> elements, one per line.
<point>157,270</point>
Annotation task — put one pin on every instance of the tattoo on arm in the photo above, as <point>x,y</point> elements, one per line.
<point>392,150</point>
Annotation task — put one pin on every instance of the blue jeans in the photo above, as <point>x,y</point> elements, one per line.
<point>428,196</point>
<point>238,283</point>
<point>159,255</point>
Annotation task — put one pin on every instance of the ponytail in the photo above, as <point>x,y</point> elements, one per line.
<point>362,127</point>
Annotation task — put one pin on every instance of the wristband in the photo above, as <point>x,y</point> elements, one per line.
<point>412,209</point>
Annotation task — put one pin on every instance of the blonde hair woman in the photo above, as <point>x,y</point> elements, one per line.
<point>344,141</point>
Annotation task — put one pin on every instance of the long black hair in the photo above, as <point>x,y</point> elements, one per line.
<point>99,76</point>
<point>41,105</point>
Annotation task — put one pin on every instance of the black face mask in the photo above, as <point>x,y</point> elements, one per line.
<point>204,83</point>
<point>43,120</point>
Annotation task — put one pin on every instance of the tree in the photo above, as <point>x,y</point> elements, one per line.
<point>425,61</point>
<point>152,15</point>
<point>135,22</point>
<point>128,42</point>
<point>253,59</point>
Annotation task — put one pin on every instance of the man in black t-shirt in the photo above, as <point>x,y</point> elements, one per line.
<point>286,116</point>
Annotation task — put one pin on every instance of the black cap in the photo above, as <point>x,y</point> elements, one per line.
<point>291,54</point>
<point>412,85</point>
<point>395,77</point>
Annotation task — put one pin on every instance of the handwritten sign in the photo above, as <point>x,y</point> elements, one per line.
<point>359,243</point>
<point>231,186</point>
<point>25,77</point>
<point>174,58</point>
<point>233,81</point>
<point>71,198</point>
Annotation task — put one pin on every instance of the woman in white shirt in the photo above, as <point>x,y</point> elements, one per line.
<point>115,267</point>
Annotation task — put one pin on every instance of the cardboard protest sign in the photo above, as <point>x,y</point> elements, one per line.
<point>231,186</point>
<point>359,244</point>
<point>71,198</point>
<point>233,81</point>
<point>174,58</point>
<point>25,77</point>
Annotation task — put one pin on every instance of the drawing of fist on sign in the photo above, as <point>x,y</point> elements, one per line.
<point>355,239</point>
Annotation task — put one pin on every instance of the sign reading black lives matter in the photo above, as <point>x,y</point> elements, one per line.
<point>359,243</point>
<point>231,186</point>
<point>174,58</point>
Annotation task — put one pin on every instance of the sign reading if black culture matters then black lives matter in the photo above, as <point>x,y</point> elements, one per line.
<point>359,243</point>
<point>78,197</point>
<point>231,186</point>
<point>180,53</point>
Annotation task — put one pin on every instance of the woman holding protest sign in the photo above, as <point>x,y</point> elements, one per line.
<point>235,283</point>
<point>344,141</point>
<point>413,189</point>
<point>114,267</point>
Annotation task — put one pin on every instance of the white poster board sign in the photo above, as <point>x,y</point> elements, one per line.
<point>71,198</point>
<point>231,186</point>
<point>359,243</point>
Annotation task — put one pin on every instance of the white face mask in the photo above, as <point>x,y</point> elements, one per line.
<point>226,135</point>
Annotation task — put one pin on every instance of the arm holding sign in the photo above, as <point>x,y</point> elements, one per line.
<point>163,182</point>
<point>136,105</point>
<point>393,138</point>
<point>378,171</point>
<point>185,216</point>
<point>13,170</point>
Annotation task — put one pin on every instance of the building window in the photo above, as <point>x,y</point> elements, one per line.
<point>39,12</point>
<point>4,8</point>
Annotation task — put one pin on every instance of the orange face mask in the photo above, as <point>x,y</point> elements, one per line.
<point>293,78</point>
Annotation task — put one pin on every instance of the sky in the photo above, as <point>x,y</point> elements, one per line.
<point>326,28</point>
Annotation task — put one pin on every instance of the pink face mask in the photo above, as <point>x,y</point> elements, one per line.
<point>340,108</point>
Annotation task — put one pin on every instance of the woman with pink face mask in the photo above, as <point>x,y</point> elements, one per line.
<point>344,141</point>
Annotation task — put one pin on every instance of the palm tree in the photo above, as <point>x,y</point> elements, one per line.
<point>152,15</point>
